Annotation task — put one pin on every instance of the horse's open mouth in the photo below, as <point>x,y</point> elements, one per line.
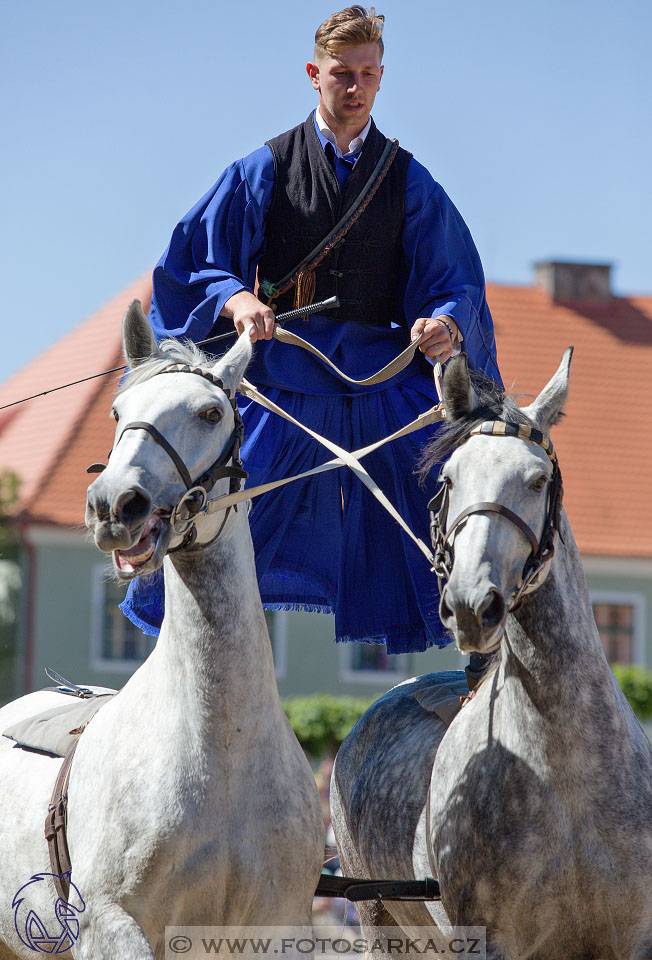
<point>130,561</point>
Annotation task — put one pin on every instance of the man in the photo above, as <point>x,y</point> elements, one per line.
<point>407,266</point>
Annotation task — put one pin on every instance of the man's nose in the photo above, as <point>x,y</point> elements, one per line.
<point>355,84</point>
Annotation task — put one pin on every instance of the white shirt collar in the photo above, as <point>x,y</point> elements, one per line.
<point>356,144</point>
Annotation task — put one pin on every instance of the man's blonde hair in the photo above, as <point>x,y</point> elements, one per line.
<point>349,28</point>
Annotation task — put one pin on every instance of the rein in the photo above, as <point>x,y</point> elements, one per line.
<point>542,549</point>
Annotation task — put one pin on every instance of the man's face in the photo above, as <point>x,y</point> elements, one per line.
<point>347,84</point>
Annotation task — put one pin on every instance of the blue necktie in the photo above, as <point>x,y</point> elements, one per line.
<point>342,165</point>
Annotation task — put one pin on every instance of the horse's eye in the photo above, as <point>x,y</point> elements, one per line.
<point>115,415</point>
<point>213,415</point>
<point>539,483</point>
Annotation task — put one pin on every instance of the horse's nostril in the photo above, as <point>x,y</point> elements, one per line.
<point>132,505</point>
<point>492,610</point>
<point>445,612</point>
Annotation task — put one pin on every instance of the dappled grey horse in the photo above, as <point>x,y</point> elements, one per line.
<point>534,807</point>
<point>190,799</point>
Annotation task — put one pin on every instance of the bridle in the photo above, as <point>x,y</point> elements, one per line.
<point>542,549</point>
<point>192,503</point>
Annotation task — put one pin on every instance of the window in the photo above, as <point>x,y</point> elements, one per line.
<point>116,644</point>
<point>370,663</point>
<point>620,621</point>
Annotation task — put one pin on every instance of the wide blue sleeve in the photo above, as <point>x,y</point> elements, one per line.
<point>214,250</point>
<point>443,270</point>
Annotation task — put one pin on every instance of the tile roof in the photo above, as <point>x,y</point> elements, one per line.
<point>50,441</point>
<point>604,444</point>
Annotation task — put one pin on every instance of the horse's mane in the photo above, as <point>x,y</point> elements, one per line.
<point>490,403</point>
<point>169,351</point>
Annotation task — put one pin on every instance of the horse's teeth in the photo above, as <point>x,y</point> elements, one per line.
<point>142,556</point>
<point>134,558</point>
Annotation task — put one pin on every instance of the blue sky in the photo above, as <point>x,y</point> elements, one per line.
<point>534,116</point>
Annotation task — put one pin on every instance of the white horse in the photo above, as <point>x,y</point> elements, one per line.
<point>539,825</point>
<point>190,799</point>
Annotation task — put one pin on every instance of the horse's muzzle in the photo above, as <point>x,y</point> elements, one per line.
<point>116,523</point>
<point>476,622</point>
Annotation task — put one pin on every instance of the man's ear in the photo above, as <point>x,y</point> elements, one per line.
<point>313,72</point>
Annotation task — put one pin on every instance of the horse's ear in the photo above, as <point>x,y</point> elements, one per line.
<point>459,395</point>
<point>547,409</point>
<point>138,342</point>
<point>231,367</point>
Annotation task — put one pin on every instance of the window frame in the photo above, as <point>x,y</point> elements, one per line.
<point>349,674</point>
<point>615,598</point>
<point>100,576</point>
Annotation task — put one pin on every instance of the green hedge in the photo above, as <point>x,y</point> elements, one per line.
<point>322,721</point>
<point>636,684</point>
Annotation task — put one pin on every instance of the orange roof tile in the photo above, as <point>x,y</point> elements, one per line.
<point>604,444</point>
<point>35,436</point>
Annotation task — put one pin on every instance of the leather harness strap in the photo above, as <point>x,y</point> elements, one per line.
<point>487,506</point>
<point>55,827</point>
<point>162,442</point>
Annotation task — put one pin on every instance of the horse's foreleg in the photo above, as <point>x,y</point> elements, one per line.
<point>109,932</point>
<point>378,928</point>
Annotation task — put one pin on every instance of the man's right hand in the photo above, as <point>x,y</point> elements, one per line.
<point>248,313</point>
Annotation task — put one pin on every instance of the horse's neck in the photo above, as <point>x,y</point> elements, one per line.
<point>552,642</point>
<point>214,647</point>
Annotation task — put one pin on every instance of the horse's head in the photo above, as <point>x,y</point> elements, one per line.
<point>173,432</point>
<point>496,515</point>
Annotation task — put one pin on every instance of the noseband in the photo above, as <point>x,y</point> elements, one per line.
<point>542,549</point>
<point>185,512</point>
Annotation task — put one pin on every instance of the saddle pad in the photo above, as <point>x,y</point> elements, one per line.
<point>444,699</point>
<point>55,730</point>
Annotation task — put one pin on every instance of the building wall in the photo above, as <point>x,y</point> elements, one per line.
<point>64,623</point>
<point>313,663</point>
<point>625,580</point>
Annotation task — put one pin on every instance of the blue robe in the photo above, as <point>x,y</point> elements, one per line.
<point>325,544</point>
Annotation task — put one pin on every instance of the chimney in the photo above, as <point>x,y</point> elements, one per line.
<point>564,280</point>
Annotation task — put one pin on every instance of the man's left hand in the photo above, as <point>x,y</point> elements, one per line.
<point>436,343</point>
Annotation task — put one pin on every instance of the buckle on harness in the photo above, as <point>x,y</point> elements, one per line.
<point>184,513</point>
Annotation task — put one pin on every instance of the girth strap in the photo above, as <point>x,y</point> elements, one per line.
<point>55,827</point>
<point>357,889</point>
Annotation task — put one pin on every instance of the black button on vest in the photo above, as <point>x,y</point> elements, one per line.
<point>365,269</point>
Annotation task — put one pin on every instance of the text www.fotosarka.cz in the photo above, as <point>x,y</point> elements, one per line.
<point>322,943</point>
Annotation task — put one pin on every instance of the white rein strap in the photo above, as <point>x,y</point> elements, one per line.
<point>343,458</point>
<point>397,365</point>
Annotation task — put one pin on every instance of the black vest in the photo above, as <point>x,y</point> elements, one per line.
<point>365,269</point>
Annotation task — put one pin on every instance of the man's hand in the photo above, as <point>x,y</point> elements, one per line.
<point>436,343</point>
<point>248,313</point>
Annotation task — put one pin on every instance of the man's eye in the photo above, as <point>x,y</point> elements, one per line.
<point>213,415</point>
